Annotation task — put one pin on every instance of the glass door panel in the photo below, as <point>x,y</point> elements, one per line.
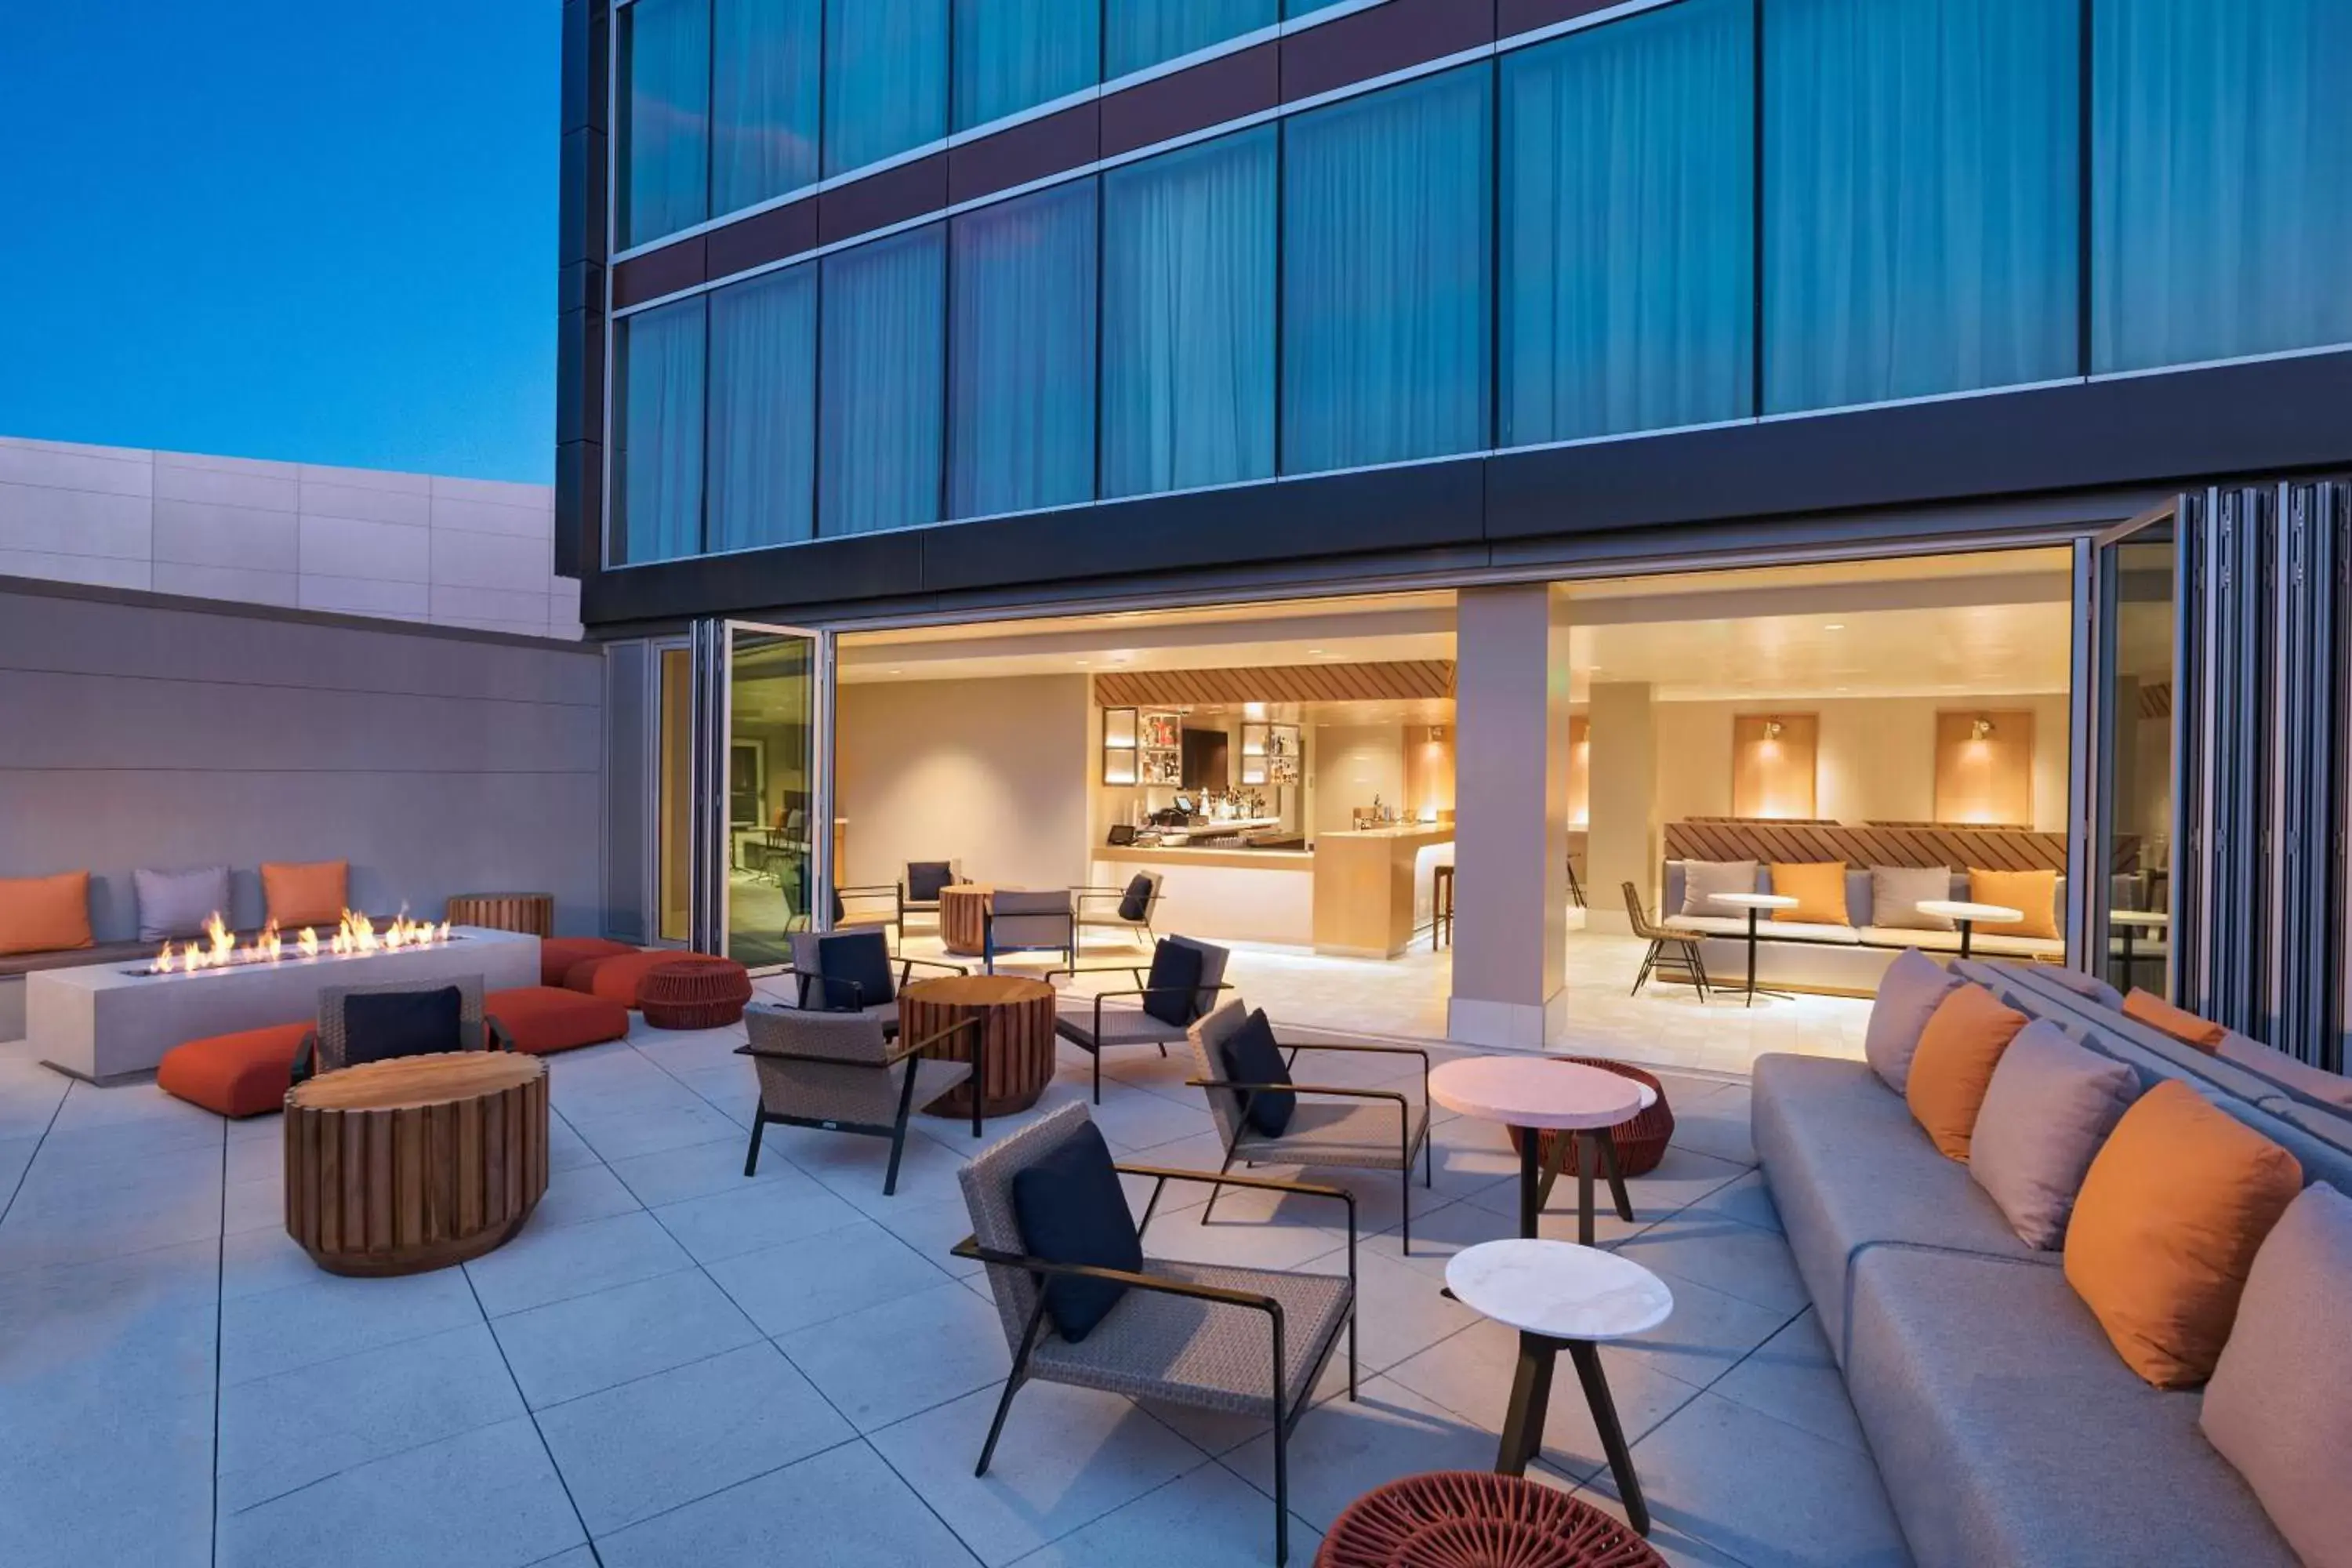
<point>674,796</point>
<point>773,801</point>
<point>2137,763</point>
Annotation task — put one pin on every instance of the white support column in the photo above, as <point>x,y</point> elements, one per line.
<point>1510,847</point>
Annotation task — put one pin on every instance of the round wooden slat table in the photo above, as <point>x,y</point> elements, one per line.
<point>1015,1034</point>
<point>533,913</point>
<point>964,918</point>
<point>398,1167</point>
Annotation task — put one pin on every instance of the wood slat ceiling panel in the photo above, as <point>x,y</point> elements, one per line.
<point>1396,680</point>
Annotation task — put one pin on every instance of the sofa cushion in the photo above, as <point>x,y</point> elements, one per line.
<point>1071,1209</point>
<point>45,914</point>
<point>2090,987</point>
<point>2279,1406</point>
<point>852,973</point>
<point>2299,1078</point>
<point>559,955</point>
<point>243,1074</point>
<point>1173,986</point>
<point>1849,1172</point>
<point>1912,987</point>
<point>2051,1105</point>
<point>926,877</point>
<point>2033,894</point>
<point>541,1019</point>
<point>2178,1022</point>
<point>1136,902</point>
<point>1702,880</point>
<point>1251,1056</point>
<point>177,903</point>
<point>1819,888</point>
<point>2167,1227</point>
<point>1712,925</point>
<point>1953,1067</point>
<point>307,893</point>
<point>618,978</point>
<point>1897,891</point>
<point>2009,1438</point>
<point>380,1026</point>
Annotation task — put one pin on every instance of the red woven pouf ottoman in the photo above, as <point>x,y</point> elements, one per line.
<point>1641,1142</point>
<point>694,993</point>
<point>1469,1519</point>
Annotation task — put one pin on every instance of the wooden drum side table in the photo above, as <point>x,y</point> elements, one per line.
<point>1014,1038</point>
<point>401,1166</point>
<point>964,918</point>
<point>533,913</point>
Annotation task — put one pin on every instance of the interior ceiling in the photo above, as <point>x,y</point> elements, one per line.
<point>1992,624</point>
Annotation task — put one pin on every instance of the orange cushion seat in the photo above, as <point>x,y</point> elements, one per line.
<point>45,914</point>
<point>541,1019</point>
<point>559,954</point>
<point>244,1074</point>
<point>306,893</point>
<point>2181,1025</point>
<point>619,978</point>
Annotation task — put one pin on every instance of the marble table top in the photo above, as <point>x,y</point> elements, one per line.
<point>1559,1289</point>
<point>1754,900</point>
<point>1536,1091</point>
<point>2142,918</point>
<point>1959,910</point>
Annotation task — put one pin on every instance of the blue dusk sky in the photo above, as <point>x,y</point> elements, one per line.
<point>318,230</point>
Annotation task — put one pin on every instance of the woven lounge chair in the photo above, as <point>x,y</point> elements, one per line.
<point>328,1047</point>
<point>1382,1132</point>
<point>1118,1018</point>
<point>1128,909</point>
<point>1671,952</point>
<point>836,1072</point>
<point>1250,1342</point>
<point>819,993</point>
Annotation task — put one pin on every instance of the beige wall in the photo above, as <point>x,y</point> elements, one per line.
<point>1632,761</point>
<point>1877,756</point>
<point>995,773</point>
<point>1352,763</point>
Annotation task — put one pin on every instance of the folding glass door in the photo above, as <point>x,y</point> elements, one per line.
<point>2124,871</point>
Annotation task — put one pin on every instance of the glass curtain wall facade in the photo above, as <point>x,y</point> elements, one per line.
<point>1711,210</point>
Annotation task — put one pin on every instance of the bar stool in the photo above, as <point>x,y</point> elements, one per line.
<point>1440,906</point>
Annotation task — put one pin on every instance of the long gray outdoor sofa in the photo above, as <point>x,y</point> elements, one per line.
<point>2007,1429</point>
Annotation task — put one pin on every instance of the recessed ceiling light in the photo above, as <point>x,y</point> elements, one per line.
<point>1315,650</point>
<point>1834,626</point>
<point>1079,662</point>
<point>898,672</point>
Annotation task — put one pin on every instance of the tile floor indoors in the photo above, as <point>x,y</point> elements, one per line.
<point>673,1364</point>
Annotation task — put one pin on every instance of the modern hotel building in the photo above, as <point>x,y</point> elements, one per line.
<point>1922,426</point>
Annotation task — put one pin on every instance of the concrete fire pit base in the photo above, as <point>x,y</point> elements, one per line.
<point>105,1022</point>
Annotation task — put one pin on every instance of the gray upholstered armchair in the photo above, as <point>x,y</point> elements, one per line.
<point>1366,1129</point>
<point>1121,1018</point>
<point>836,1072</point>
<point>340,1038</point>
<point>1250,1342</point>
<point>1019,921</point>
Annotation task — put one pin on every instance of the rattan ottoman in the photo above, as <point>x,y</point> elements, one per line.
<point>1641,1142</point>
<point>1469,1519</point>
<point>694,993</point>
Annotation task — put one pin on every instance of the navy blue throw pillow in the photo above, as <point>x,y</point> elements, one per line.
<point>1252,1057</point>
<point>1071,1210</point>
<point>854,972</point>
<point>1174,985</point>
<point>925,879</point>
<point>1137,898</point>
<point>380,1025</point>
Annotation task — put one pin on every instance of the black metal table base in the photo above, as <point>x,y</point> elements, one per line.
<point>1523,1428</point>
<point>1596,1151</point>
<point>1753,992</point>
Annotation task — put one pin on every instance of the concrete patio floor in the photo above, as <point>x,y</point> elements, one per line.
<point>673,1364</point>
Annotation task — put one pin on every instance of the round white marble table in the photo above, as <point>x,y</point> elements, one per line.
<point>1754,904</point>
<point>1965,915</point>
<point>1562,1297</point>
<point>1534,1095</point>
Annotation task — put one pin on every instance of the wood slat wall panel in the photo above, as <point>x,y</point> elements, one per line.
<point>1394,680</point>
<point>1879,844</point>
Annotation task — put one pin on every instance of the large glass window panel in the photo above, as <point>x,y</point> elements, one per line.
<point>885,79</point>
<point>657,461</point>
<point>1011,55</point>
<point>1188,317</point>
<point>882,376</point>
<point>763,410</point>
<point>1920,197</point>
<point>1386,272</point>
<point>1022,363</point>
<point>1628,292</point>
<point>1139,34</point>
<point>763,99</point>
<point>2221,182</point>
<point>664,133</point>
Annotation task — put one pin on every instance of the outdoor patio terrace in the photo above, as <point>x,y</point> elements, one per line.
<point>673,1364</point>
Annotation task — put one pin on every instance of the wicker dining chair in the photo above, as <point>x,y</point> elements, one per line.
<point>836,1072</point>
<point>1246,1342</point>
<point>1383,1131</point>
<point>1674,951</point>
<point>329,1046</point>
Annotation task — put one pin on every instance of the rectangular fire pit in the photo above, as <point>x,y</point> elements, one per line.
<point>110,1020</point>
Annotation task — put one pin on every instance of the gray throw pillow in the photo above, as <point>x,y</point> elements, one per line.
<point>2279,1407</point>
<point>176,903</point>
<point>1702,880</point>
<point>1897,891</point>
<point>2050,1106</point>
<point>1912,987</point>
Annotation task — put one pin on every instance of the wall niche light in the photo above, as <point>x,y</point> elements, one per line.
<point>1772,729</point>
<point>1981,728</point>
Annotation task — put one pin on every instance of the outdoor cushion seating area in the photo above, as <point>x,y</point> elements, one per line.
<point>2027,1376</point>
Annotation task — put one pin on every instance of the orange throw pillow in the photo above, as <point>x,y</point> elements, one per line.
<point>2034,894</point>
<point>1953,1067</point>
<point>313,893</point>
<point>2181,1025</point>
<point>45,914</point>
<point>1819,888</point>
<point>2167,1225</point>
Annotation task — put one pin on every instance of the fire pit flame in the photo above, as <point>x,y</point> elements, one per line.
<point>355,933</point>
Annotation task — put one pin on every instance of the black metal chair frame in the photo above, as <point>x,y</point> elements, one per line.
<point>1079,897</point>
<point>989,950</point>
<point>1284,1420</point>
<point>1404,1124</point>
<point>896,1131</point>
<point>1141,989</point>
<point>906,967</point>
